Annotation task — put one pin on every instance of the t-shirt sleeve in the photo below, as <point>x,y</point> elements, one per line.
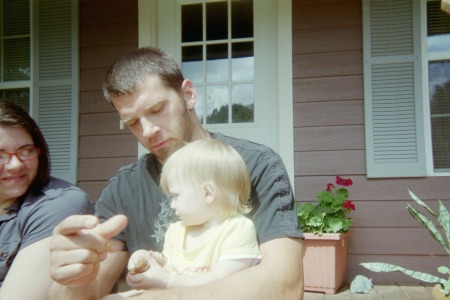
<point>239,240</point>
<point>50,210</point>
<point>274,214</point>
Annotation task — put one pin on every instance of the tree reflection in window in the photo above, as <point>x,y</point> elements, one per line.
<point>218,56</point>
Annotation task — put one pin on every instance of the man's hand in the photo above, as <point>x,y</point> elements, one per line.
<point>79,244</point>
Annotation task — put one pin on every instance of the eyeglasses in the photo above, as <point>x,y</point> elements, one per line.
<point>23,154</point>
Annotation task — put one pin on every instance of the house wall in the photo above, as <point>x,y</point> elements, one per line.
<point>328,127</point>
<point>108,28</point>
<point>329,141</point>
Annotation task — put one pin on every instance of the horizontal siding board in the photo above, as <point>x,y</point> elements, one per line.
<point>329,114</point>
<point>102,168</point>
<point>328,88</point>
<point>101,57</point>
<point>92,79</point>
<point>331,138</point>
<point>325,13</point>
<point>327,64</point>
<point>94,102</point>
<point>99,124</point>
<point>329,162</point>
<point>112,146</point>
<point>327,40</point>
<point>108,22</point>
<point>401,241</point>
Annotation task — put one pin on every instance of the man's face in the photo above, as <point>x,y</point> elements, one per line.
<point>157,116</point>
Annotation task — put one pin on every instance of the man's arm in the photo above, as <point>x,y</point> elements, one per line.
<point>278,276</point>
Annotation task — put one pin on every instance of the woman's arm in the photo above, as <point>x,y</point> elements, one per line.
<point>28,277</point>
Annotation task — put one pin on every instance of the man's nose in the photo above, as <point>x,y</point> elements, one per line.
<point>148,128</point>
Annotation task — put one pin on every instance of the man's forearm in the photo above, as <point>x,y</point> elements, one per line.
<point>85,292</point>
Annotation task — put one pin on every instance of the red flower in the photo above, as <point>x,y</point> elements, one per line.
<point>330,186</point>
<point>349,205</point>
<point>343,181</point>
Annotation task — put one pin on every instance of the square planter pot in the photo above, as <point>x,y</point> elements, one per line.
<point>325,261</point>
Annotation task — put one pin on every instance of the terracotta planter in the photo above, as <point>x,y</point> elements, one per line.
<point>325,261</point>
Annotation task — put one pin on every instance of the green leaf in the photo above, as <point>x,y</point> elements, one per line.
<point>444,220</point>
<point>428,225</point>
<point>383,267</point>
<point>444,270</point>
<point>421,203</point>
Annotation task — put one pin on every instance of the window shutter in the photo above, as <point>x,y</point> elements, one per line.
<point>56,82</point>
<point>395,145</point>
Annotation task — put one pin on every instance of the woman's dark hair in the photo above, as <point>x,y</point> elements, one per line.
<point>12,115</point>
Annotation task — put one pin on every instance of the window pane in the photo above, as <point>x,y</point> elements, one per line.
<point>19,96</point>
<point>241,19</point>
<point>191,23</point>
<point>216,21</point>
<point>243,109</point>
<point>217,63</point>
<point>243,63</point>
<point>16,65</point>
<point>438,28</point>
<point>200,104</point>
<point>441,142</point>
<point>439,77</point>
<point>438,39</point>
<point>217,104</point>
<point>16,17</point>
<point>192,63</point>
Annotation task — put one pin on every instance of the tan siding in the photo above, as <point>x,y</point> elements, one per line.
<point>329,114</point>
<point>329,140</point>
<point>342,138</point>
<point>328,88</point>
<point>108,28</point>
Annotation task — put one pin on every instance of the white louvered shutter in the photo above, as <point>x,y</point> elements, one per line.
<point>56,82</point>
<point>395,144</point>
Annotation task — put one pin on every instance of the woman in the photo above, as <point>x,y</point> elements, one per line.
<point>31,204</point>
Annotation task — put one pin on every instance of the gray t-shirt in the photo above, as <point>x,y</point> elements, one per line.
<point>34,218</point>
<point>135,192</point>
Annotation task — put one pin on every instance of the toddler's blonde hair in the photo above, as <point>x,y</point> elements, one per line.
<point>217,164</point>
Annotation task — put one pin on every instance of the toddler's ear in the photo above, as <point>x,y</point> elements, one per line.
<point>209,192</point>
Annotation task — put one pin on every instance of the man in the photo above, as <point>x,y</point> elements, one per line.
<point>151,96</point>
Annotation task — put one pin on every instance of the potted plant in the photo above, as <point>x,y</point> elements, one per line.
<point>442,287</point>
<point>325,225</point>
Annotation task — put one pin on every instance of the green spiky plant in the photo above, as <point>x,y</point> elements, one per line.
<point>442,218</point>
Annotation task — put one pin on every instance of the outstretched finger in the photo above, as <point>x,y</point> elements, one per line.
<point>111,227</point>
<point>74,224</point>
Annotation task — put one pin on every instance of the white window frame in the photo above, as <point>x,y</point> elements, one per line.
<point>426,57</point>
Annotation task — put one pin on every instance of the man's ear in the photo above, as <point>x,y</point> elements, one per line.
<point>189,94</point>
<point>209,190</point>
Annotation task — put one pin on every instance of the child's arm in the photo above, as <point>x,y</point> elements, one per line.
<point>157,277</point>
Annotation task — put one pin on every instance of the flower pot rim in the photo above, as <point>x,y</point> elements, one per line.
<point>326,236</point>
